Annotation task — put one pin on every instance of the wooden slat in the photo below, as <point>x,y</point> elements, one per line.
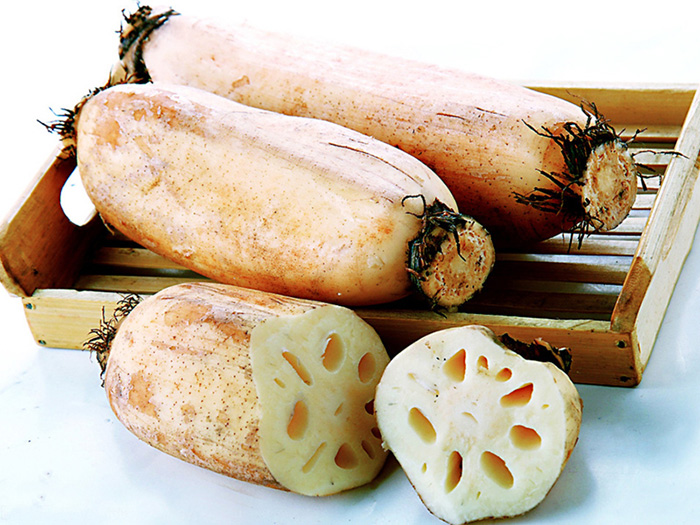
<point>599,356</point>
<point>64,319</point>
<point>544,305</point>
<point>642,105</point>
<point>132,257</point>
<point>630,226</point>
<point>130,283</point>
<point>592,245</point>
<point>565,268</point>
<point>644,201</point>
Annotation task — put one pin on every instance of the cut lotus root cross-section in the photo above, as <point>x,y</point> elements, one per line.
<point>316,379</point>
<point>264,388</point>
<point>479,431</point>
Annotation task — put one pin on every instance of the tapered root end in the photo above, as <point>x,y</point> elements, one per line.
<point>134,34</point>
<point>459,269</point>
<point>609,185</point>
<point>451,258</point>
<point>598,188</point>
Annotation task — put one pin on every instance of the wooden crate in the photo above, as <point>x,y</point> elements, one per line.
<point>605,301</point>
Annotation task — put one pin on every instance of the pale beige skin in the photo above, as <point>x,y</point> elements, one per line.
<point>199,372</point>
<point>469,129</point>
<point>479,431</point>
<point>253,198</point>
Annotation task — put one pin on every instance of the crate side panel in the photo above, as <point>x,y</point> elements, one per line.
<point>599,355</point>
<point>63,318</point>
<point>39,246</point>
<point>665,243</point>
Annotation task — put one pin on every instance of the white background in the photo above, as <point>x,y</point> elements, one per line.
<point>63,456</point>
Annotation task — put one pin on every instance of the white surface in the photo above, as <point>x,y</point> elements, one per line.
<point>64,458</point>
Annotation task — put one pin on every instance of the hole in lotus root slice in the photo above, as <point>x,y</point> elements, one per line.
<point>298,367</point>
<point>525,438</point>
<point>309,465</point>
<point>504,374</point>
<point>454,471</point>
<point>334,353</point>
<point>456,366</point>
<point>367,447</point>
<point>495,468</point>
<point>421,425</point>
<point>482,362</point>
<point>518,397</point>
<point>299,422</point>
<point>369,407</point>
<point>366,367</point>
<point>345,458</point>
<point>470,417</point>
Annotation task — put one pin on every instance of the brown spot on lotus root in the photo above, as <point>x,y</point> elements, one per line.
<point>140,394</point>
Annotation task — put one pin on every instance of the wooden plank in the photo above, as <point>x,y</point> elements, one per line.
<point>566,268</point>
<point>599,356</point>
<point>39,246</point>
<point>543,305</point>
<point>644,201</point>
<point>131,257</point>
<point>64,318</point>
<point>630,226</point>
<point>646,104</point>
<point>593,245</point>
<point>656,133</point>
<point>130,283</point>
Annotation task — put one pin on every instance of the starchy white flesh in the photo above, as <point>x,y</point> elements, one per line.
<point>263,388</point>
<point>290,205</point>
<point>480,135</point>
<point>479,431</point>
<point>316,378</point>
